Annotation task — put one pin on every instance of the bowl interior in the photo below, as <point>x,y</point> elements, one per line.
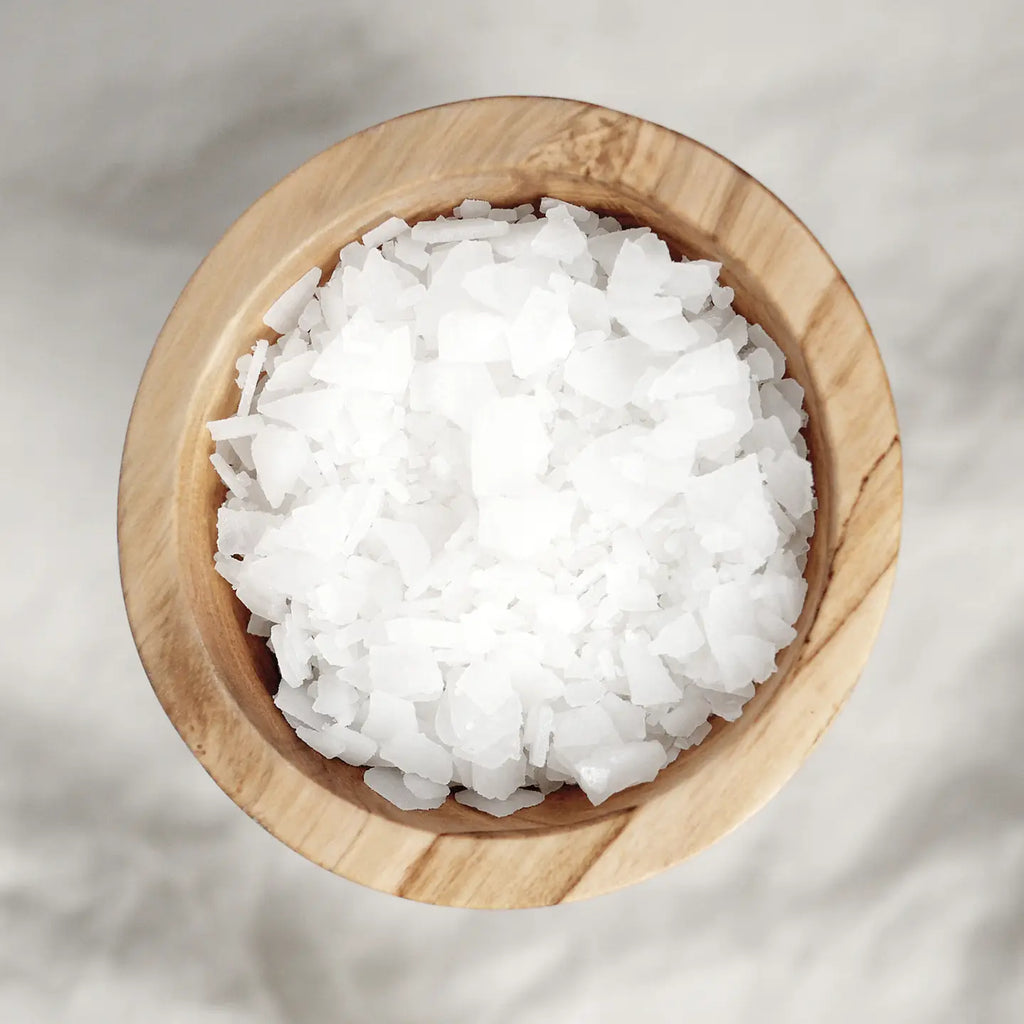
<point>244,663</point>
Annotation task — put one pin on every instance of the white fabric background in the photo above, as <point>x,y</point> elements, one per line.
<point>885,883</point>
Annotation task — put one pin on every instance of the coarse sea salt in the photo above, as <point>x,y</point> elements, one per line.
<point>518,501</point>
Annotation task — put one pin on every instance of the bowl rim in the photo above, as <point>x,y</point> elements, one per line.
<point>404,853</point>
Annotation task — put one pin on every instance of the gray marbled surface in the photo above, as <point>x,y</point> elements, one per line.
<point>885,883</point>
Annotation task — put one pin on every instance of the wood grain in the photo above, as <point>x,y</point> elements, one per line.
<point>214,681</point>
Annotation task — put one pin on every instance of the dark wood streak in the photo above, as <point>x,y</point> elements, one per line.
<point>261,786</point>
<point>807,655</point>
<point>861,489</point>
<point>731,206</point>
<point>312,828</point>
<point>350,844</point>
<point>598,851</point>
<point>412,873</point>
<point>823,306</point>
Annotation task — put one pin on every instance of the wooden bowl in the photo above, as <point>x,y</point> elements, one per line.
<point>214,681</point>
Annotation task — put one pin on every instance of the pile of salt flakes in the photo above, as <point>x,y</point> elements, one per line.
<point>519,502</point>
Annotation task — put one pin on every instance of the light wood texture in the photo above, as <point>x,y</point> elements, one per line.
<point>214,681</point>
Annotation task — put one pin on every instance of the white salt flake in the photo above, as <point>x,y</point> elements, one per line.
<point>457,391</point>
<point>388,783</point>
<point>469,336</point>
<point>338,741</point>
<point>411,252</point>
<point>775,401</point>
<point>722,297</point>
<point>502,287</point>
<point>388,716</point>
<point>579,730</point>
<point>518,800</point>
<point>412,752</point>
<point>501,781</point>
<point>407,545</point>
<point>588,307</point>
<point>612,769</point>
<point>560,238</point>
<point>290,374</point>
<point>541,334</point>
<point>759,337</point>
<point>336,698</point>
<point>424,788</point>
<point>731,514</point>
<point>525,526</point>
<point>436,232</point>
<point>425,632</point>
<point>405,670</point>
<point>310,412</point>
<point>252,375</point>
<point>384,232</point>
<point>630,720</point>
<point>789,479</point>
<point>235,427</point>
<point>537,733</point>
<point>284,314</point>
<point>704,370</point>
<point>648,679</point>
<point>692,282</point>
<point>509,447</point>
<point>608,371</point>
<point>368,358</point>
<point>486,715</point>
<point>470,208</point>
<point>687,716</point>
<point>279,455</point>
<point>237,483</point>
<point>679,638</point>
<point>296,702</point>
